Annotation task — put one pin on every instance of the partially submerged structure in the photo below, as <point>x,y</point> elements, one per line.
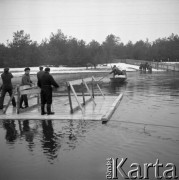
<point>85,105</point>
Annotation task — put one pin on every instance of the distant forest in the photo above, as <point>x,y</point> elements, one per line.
<point>62,50</point>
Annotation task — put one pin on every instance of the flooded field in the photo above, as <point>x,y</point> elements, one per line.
<point>145,127</point>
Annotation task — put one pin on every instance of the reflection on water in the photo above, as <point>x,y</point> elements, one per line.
<point>11,132</point>
<point>64,137</point>
<point>49,144</point>
<point>144,127</point>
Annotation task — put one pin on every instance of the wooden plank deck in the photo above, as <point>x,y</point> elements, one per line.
<point>103,109</point>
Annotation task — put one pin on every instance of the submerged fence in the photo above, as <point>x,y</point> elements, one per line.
<point>156,65</point>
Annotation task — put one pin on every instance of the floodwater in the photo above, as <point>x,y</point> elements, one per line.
<point>144,128</point>
<point>66,70</point>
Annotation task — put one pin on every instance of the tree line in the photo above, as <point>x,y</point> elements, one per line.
<point>69,51</point>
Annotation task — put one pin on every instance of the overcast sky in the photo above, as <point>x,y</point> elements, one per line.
<point>90,19</point>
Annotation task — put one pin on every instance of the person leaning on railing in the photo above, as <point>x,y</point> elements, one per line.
<point>6,87</point>
<point>25,81</point>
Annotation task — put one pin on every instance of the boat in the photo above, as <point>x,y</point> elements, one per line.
<point>118,79</point>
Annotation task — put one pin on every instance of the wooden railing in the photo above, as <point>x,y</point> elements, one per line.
<point>28,90</point>
<point>21,90</point>
<point>91,94</point>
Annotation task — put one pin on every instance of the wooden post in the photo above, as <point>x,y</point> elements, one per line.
<point>69,97</point>
<point>88,91</point>
<point>18,99</point>
<point>98,87</point>
<point>82,87</point>
<point>79,104</point>
<point>38,98</point>
<point>92,87</point>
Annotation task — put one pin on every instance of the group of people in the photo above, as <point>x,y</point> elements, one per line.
<point>145,66</point>
<point>44,80</point>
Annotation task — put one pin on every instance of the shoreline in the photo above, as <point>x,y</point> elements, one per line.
<point>61,79</point>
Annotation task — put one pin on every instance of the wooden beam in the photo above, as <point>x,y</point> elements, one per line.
<point>98,87</point>
<point>69,97</point>
<point>18,100</point>
<point>110,112</point>
<point>77,107</point>
<point>80,94</point>
<point>29,108</point>
<point>38,98</point>
<point>25,87</point>
<point>82,87</point>
<point>92,87</point>
<point>30,91</point>
<point>89,91</point>
<point>78,81</point>
<point>76,97</point>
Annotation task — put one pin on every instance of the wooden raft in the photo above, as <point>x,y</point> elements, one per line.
<point>72,107</point>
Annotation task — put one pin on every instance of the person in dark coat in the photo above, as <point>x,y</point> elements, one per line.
<point>116,71</point>
<point>46,83</point>
<point>40,73</point>
<point>25,81</point>
<point>6,87</point>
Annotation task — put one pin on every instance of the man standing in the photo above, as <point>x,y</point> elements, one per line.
<point>25,81</point>
<point>6,87</point>
<point>45,83</point>
<point>40,73</point>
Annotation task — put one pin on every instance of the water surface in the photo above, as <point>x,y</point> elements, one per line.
<point>144,127</point>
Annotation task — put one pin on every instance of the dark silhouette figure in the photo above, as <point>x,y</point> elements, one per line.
<point>11,132</point>
<point>45,83</point>
<point>49,143</point>
<point>6,87</point>
<point>145,66</point>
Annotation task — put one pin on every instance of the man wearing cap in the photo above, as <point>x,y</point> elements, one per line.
<point>6,87</point>
<point>45,83</point>
<point>25,81</point>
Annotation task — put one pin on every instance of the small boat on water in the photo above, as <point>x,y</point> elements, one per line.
<point>118,79</point>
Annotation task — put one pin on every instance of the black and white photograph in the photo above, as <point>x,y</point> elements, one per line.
<point>89,89</point>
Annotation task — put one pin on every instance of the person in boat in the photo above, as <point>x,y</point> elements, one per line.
<point>6,87</point>
<point>40,73</point>
<point>116,71</point>
<point>25,81</point>
<point>45,83</point>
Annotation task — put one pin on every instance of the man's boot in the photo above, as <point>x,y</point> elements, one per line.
<point>43,109</point>
<point>49,112</point>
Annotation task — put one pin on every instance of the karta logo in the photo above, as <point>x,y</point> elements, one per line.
<point>136,171</point>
